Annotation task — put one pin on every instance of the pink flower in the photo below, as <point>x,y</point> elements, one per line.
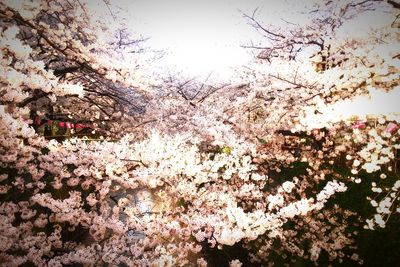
<point>391,127</point>
<point>359,125</point>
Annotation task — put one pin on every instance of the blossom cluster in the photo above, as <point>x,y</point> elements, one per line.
<point>251,164</point>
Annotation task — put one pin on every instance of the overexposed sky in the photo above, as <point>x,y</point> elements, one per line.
<point>199,37</point>
<point>204,36</point>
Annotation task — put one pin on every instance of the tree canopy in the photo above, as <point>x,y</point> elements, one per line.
<point>296,161</point>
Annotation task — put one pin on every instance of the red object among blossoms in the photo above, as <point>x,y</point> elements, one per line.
<point>64,124</point>
<point>359,125</point>
<point>68,125</point>
<point>391,127</point>
<point>37,120</point>
<point>71,125</point>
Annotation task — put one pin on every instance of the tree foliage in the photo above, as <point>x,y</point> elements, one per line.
<point>186,169</point>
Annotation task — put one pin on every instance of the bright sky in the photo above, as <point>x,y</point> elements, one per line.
<point>204,36</point>
<point>200,36</point>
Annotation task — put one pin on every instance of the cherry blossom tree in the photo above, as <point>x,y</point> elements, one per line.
<point>189,168</point>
